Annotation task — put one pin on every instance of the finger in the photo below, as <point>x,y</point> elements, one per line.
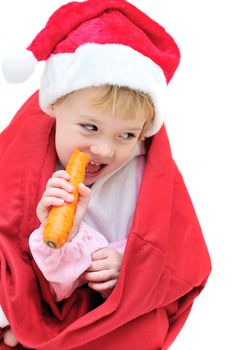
<point>82,205</point>
<point>59,183</point>
<point>101,287</point>
<point>101,276</point>
<point>58,193</point>
<point>100,254</point>
<point>44,206</point>
<point>97,276</point>
<point>47,202</point>
<point>61,174</point>
<point>83,190</point>
<point>84,196</point>
<point>42,213</point>
<point>99,265</point>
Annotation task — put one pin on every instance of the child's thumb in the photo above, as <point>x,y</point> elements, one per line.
<point>82,205</point>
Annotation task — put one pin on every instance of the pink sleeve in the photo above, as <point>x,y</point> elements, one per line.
<point>119,246</point>
<point>62,267</point>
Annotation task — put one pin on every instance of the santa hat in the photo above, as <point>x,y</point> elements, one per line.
<point>93,43</point>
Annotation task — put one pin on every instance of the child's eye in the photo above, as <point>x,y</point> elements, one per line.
<point>127,136</point>
<point>89,127</point>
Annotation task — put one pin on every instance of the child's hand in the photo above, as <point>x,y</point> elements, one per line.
<point>103,274</point>
<point>83,201</point>
<point>58,191</point>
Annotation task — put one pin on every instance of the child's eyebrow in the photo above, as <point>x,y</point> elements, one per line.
<point>134,129</point>
<point>99,122</point>
<point>90,119</point>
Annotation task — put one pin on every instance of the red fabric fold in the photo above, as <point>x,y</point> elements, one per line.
<point>165,266</point>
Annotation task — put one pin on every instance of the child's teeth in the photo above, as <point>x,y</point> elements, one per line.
<point>93,167</point>
<point>91,162</point>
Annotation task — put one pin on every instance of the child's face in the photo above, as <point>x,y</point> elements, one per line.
<point>108,140</point>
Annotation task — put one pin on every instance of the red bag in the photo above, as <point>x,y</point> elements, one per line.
<point>165,266</point>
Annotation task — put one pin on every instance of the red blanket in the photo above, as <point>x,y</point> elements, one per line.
<point>165,266</point>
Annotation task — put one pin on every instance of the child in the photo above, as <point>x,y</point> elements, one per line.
<point>136,251</point>
<point>112,141</point>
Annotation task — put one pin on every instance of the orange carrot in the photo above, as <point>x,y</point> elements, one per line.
<point>60,219</point>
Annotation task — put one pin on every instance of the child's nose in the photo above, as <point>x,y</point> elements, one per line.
<point>102,150</point>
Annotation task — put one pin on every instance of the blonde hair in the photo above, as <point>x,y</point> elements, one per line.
<point>125,102</point>
<point>122,101</point>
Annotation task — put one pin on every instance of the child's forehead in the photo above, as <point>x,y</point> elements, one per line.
<point>80,105</point>
<point>87,93</point>
<point>122,103</point>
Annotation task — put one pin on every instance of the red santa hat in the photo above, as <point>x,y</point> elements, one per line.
<point>93,43</point>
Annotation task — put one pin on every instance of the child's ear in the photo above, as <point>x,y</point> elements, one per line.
<point>51,110</point>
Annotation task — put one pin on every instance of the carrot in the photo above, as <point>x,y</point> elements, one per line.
<point>60,219</point>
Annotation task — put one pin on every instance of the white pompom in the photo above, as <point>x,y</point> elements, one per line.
<point>18,66</point>
<point>9,338</point>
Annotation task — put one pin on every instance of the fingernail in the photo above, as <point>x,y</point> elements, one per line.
<point>70,197</point>
<point>70,188</point>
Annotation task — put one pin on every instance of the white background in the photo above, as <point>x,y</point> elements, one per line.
<point>199,126</point>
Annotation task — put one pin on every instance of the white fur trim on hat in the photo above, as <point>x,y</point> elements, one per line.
<point>96,65</point>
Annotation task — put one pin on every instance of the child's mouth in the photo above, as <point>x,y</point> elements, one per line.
<point>93,169</point>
